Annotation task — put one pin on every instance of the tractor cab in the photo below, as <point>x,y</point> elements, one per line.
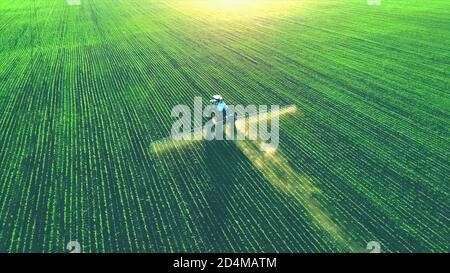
<point>220,104</point>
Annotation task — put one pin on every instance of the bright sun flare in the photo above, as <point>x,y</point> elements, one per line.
<point>234,9</point>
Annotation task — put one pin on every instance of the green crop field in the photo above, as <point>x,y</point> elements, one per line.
<point>87,87</point>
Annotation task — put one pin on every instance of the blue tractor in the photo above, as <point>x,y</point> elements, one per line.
<point>221,106</point>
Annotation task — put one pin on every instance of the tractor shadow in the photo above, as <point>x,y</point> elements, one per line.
<point>221,164</point>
